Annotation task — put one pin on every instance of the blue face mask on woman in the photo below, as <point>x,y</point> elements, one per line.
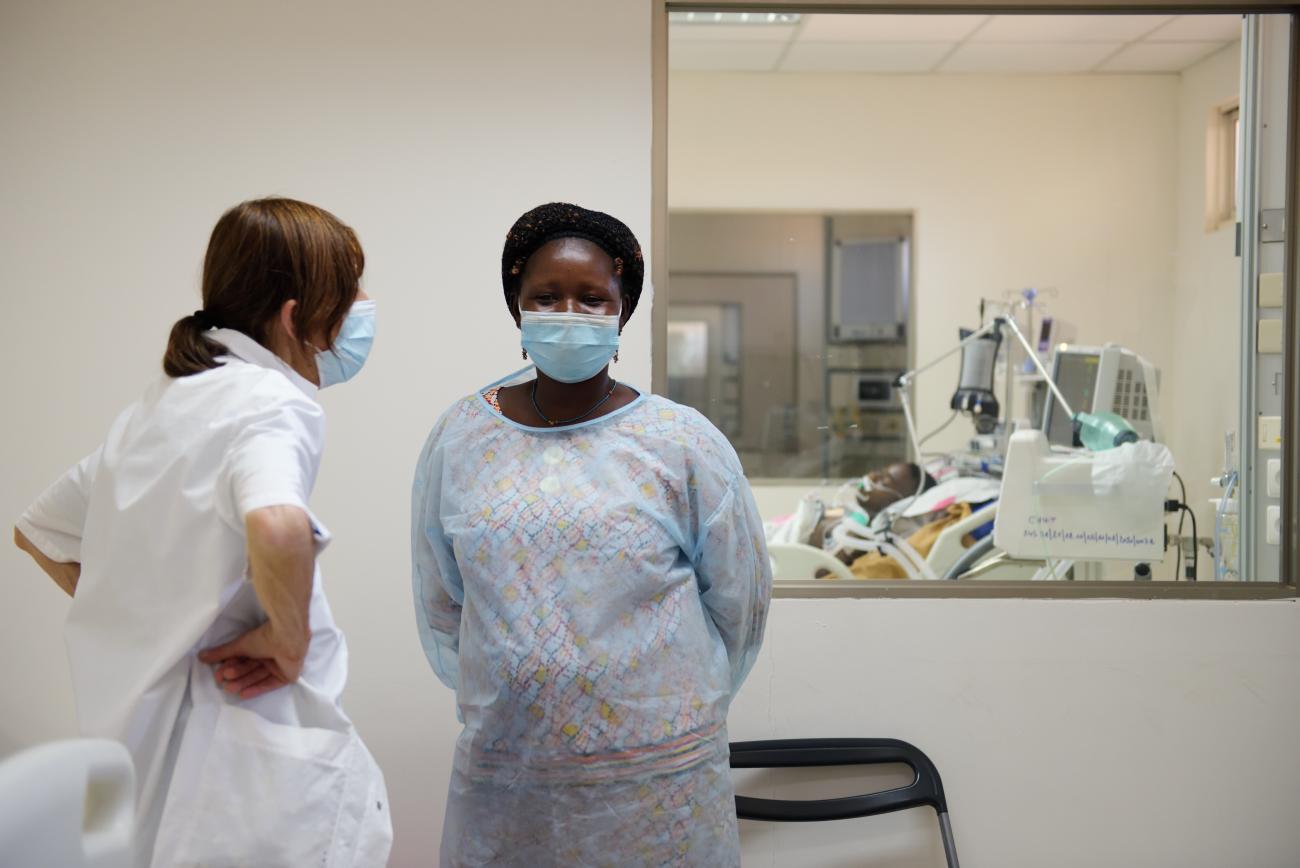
<point>351,347</point>
<point>569,347</point>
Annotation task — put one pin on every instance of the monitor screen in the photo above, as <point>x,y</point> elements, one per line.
<point>1075,374</point>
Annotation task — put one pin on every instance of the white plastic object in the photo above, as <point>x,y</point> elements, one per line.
<point>948,546</point>
<point>799,526</point>
<point>1275,477</point>
<point>1273,525</point>
<point>799,562</point>
<point>1270,336</point>
<point>1270,289</point>
<point>1083,506</point>
<point>68,803</point>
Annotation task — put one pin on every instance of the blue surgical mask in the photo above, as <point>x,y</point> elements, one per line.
<point>569,347</point>
<point>351,347</point>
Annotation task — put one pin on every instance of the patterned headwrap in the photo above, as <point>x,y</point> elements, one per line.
<point>546,223</point>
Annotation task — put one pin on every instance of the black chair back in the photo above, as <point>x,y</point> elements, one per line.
<point>925,789</point>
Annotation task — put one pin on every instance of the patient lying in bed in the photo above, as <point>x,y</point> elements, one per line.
<point>920,520</point>
<point>874,565</point>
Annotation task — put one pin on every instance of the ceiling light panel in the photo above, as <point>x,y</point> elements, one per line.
<point>743,19</point>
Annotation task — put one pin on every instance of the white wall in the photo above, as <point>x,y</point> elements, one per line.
<point>1085,733</point>
<point>1014,181</point>
<point>130,126</point>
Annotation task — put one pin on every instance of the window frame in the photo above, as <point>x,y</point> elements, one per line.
<point>1290,501</point>
<point>1222,165</point>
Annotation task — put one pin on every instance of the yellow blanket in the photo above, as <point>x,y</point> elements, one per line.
<point>874,565</point>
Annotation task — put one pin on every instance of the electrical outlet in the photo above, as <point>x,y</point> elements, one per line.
<point>1270,290</point>
<point>1274,477</point>
<point>1273,525</point>
<point>1270,336</point>
<point>1270,432</point>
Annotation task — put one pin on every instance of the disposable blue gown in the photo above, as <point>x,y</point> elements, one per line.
<point>595,594</point>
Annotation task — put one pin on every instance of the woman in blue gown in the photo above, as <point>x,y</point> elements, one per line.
<point>590,576</point>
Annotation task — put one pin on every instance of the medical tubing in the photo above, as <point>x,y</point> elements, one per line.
<point>845,536</point>
<point>928,437</point>
<point>969,557</point>
<point>1218,525</point>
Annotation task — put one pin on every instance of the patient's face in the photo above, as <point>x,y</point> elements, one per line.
<point>889,485</point>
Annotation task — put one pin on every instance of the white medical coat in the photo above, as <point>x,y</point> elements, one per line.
<point>155,516</point>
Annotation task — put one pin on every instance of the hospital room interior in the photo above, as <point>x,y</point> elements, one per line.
<point>994,306</point>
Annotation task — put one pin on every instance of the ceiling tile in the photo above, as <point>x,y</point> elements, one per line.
<point>1159,56</point>
<point>1068,28</point>
<point>1200,28</point>
<point>1029,57</point>
<point>865,56</point>
<point>724,56</point>
<point>889,28</point>
<point>730,32</point>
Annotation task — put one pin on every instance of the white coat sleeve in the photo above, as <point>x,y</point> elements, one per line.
<point>734,575</point>
<point>272,460</point>
<point>435,577</point>
<point>54,523</point>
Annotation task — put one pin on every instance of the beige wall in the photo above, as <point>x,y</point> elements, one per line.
<point>129,126</point>
<point>1206,339</point>
<point>1015,181</point>
<point>1068,734</point>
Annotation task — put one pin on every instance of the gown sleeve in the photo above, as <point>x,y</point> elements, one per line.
<point>435,577</point>
<point>54,523</point>
<point>734,574</point>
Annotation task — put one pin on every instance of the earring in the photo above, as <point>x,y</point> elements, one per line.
<point>525,354</point>
<point>616,356</point>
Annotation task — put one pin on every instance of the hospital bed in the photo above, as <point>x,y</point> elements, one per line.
<point>1053,510</point>
<point>797,560</point>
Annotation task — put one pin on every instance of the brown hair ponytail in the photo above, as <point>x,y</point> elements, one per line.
<point>188,351</point>
<point>261,254</point>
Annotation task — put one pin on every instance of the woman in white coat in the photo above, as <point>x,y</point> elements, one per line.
<point>199,634</point>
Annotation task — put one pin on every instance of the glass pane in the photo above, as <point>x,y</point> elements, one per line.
<point>1001,247</point>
